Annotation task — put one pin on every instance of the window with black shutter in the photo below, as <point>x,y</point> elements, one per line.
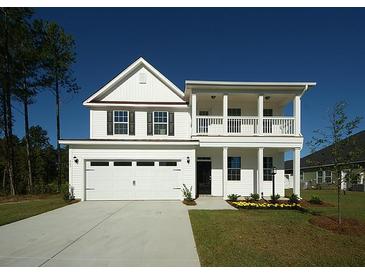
<point>171,124</point>
<point>149,123</point>
<point>109,121</point>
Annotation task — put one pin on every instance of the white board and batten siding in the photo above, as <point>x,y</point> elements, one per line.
<point>148,185</point>
<point>133,89</point>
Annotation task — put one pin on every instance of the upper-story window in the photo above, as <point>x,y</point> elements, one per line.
<point>120,122</point>
<point>160,122</point>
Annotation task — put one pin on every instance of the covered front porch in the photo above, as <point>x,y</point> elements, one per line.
<point>221,171</point>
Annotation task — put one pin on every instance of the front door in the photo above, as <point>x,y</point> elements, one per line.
<point>203,171</point>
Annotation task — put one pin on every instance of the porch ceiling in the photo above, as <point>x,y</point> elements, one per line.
<point>276,99</point>
<point>293,88</point>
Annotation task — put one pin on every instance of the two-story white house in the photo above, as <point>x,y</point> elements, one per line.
<point>148,138</point>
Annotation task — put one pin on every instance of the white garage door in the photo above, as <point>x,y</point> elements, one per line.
<point>133,180</point>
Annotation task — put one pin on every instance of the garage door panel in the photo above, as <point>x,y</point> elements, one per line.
<point>133,180</point>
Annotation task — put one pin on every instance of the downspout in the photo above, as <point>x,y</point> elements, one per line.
<point>304,90</point>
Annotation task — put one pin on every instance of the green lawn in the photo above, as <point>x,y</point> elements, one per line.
<point>15,211</point>
<point>277,238</point>
<point>352,204</point>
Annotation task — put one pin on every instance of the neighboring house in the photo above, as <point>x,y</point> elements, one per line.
<point>317,168</point>
<point>148,138</point>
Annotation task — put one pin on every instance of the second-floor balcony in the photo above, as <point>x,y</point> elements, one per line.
<point>244,126</point>
<point>245,108</point>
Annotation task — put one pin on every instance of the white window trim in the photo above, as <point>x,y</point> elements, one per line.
<point>228,168</point>
<point>167,123</point>
<point>267,168</point>
<point>120,122</point>
<point>327,176</point>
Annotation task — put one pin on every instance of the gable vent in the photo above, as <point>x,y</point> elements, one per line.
<point>142,78</point>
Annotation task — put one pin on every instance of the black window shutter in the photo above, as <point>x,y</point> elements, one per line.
<point>109,122</point>
<point>171,124</point>
<point>149,123</point>
<point>132,123</point>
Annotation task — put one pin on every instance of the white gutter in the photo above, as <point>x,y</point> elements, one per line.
<point>132,142</point>
<point>294,84</point>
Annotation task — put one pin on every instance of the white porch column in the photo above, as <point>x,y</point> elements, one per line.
<point>225,114</point>
<point>296,112</point>
<point>260,114</point>
<point>260,170</point>
<point>296,171</point>
<point>193,113</point>
<point>225,171</point>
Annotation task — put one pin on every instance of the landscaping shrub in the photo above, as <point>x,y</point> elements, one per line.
<point>315,200</point>
<point>275,198</point>
<point>233,197</point>
<point>293,199</point>
<point>188,196</point>
<point>252,205</point>
<point>255,196</point>
<point>68,193</point>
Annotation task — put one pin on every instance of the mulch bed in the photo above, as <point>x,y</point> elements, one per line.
<point>347,227</point>
<point>189,203</point>
<point>305,203</point>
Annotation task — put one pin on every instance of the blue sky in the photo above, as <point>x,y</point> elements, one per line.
<point>240,44</point>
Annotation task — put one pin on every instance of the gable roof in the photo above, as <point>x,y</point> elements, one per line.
<point>323,157</point>
<point>125,73</point>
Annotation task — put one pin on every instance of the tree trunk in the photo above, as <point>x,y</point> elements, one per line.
<point>8,123</point>
<point>58,135</point>
<point>339,180</point>
<point>27,145</point>
<point>4,179</point>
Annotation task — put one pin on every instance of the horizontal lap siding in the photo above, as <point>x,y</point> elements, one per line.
<point>278,162</point>
<point>77,173</point>
<point>182,125</point>
<point>245,186</point>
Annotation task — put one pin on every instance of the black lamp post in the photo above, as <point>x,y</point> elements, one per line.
<point>273,172</point>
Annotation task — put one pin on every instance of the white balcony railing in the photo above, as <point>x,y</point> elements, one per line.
<point>278,125</point>
<point>244,125</point>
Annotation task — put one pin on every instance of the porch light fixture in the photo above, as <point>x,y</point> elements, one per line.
<point>273,172</point>
<point>188,160</point>
<point>76,160</point>
<point>267,97</point>
<point>213,97</point>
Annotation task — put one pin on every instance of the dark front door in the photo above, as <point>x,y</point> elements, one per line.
<point>203,172</point>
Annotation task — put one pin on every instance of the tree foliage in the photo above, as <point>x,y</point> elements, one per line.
<point>336,135</point>
<point>35,56</point>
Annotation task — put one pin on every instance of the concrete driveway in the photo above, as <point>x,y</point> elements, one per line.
<point>105,233</point>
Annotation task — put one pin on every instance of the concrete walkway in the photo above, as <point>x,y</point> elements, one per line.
<point>211,203</point>
<point>115,233</point>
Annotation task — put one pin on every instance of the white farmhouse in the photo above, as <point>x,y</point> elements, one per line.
<point>148,138</point>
